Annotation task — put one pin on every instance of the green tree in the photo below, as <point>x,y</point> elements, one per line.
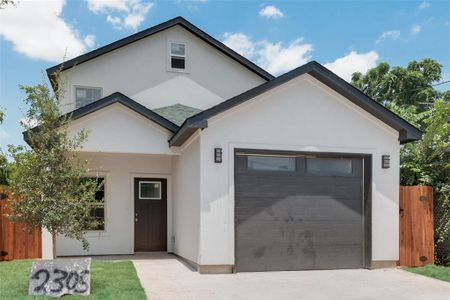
<point>410,85</point>
<point>4,3</point>
<point>427,162</point>
<point>3,161</point>
<point>50,177</point>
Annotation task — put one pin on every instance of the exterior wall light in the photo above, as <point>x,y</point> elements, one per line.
<point>218,155</point>
<point>385,161</point>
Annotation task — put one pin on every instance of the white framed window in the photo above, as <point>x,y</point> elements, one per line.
<point>150,190</point>
<point>86,95</point>
<point>97,205</point>
<point>177,56</point>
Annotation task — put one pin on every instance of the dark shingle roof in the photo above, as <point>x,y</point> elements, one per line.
<point>177,113</point>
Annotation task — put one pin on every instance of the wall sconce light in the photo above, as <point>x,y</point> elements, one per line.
<point>218,155</point>
<point>385,161</point>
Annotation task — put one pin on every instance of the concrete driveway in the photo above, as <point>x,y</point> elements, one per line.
<point>165,277</point>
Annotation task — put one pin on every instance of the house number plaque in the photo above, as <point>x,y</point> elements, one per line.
<point>60,276</point>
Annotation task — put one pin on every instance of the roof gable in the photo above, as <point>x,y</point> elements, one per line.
<point>153,30</point>
<point>407,132</point>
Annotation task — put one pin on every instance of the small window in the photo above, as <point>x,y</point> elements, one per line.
<point>329,166</point>
<point>150,190</point>
<point>97,221</point>
<point>177,56</point>
<point>85,95</point>
<point>271,163</point>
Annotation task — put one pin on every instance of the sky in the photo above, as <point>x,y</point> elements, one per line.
<point>345,36</point>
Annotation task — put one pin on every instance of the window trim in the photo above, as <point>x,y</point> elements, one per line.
<point>169,56</point>
<point>90,232</point>
<point>75,87</point>
<point>275,156</point>
<point>150,198</point>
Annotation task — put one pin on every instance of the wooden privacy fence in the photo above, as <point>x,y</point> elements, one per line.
<point>416,226</point>
<point>15,241</point>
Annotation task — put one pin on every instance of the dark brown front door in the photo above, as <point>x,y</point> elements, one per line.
<point>150,218</point>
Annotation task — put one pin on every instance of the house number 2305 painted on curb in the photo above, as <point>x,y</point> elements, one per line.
<point>59,277</point>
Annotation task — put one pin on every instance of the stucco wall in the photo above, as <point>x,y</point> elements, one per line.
<point>186,208</point>
<point>119,170</point>
<point>118,129</point>
<point>301,115</point>
<point>139,70</point>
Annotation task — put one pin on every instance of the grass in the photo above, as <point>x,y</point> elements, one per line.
<point>438,272</point>
<point>109,280</point>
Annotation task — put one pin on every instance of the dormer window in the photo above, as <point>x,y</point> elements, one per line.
<point>86,95</point>
<point>177,59</point>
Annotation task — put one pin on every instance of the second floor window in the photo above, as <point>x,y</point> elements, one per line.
<point>177,56</point>
<point>86,95</point>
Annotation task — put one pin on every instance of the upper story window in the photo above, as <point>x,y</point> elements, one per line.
<point>86,95</point>
<point>177,53</point>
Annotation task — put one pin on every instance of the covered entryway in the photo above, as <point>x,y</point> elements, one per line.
<point>150,206</point>
<point>300,211</point>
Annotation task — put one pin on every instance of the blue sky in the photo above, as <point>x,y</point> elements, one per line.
<point>346,36</point>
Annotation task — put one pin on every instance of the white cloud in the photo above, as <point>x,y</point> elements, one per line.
<point>353,62</point>
<point>416,29</point>
<point>131,12</point>
<point>424,5</point>
<point>277,59</point>
<point>89,40</point>
<point>271,12</point>
<point>391,34</point>
<point>240,43</point>
<point>274,57</point>
<point>38,31</point>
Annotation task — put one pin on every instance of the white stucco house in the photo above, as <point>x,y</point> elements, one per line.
<point>205,155</point>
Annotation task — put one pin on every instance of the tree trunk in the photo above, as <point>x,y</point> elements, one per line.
<point>54,244</point>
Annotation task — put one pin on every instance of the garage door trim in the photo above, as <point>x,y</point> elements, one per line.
<point>367,191</point>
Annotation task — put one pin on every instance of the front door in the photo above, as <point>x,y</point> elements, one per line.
<point>150,214</point>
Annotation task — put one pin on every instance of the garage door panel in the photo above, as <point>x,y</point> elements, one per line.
<point>294,220</point>
<point>297,185</point>
<point>297,208</point>
<point>271,258</point>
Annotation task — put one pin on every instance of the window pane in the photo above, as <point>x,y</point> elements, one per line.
<point>177,63</point>
<point>177,49</point>
<point>149,190</point>
<point>85,96</point>
<point>329,166</point>
<point>271,163</point>
<point>97,211</point>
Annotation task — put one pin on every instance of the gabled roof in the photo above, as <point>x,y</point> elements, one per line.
<point>407,132</point>
<point>177,113</point>
<point>150,31</point>
<point>116,97</point>
<point>125,101</point>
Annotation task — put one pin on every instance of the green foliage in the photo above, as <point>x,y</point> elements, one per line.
<point>427,162</point>
<point>410,85</point>
<point>4,165</point>
<point>4,3</point>
<point>49,177</point>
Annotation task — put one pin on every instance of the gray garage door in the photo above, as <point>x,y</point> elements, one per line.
<point>298,211</point>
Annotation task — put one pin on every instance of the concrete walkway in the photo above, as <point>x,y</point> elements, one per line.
<point>165,277</point>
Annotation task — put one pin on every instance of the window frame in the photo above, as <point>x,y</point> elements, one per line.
<point>150,198</point>
<point>169,56</point>
<point>272,156</point>
<point>75,87</point>
<point>105,224</point>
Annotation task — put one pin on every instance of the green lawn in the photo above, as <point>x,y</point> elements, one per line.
<point>438,272</point>
<point>109,280</point>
